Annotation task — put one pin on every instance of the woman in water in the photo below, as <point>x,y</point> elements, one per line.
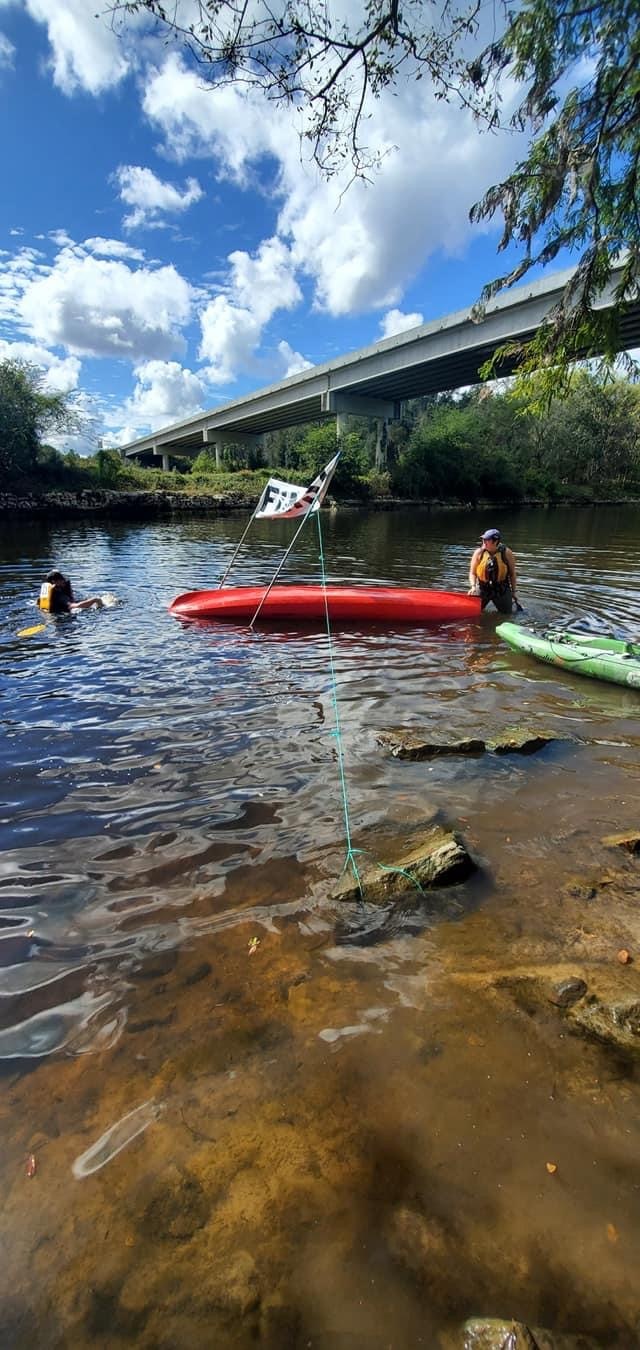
<point>56,596</point>
<point>492,573</point>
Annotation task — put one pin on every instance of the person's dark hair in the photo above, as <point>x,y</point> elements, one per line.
<point>61,583</point>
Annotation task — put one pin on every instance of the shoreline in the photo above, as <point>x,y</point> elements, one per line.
<point>106,502</point>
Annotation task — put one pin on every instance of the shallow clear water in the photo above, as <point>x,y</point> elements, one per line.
<point>314,1123</point>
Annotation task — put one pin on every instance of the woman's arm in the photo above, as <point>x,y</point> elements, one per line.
<point>475,559</point>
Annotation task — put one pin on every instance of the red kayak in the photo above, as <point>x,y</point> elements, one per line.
<point>302,603</point>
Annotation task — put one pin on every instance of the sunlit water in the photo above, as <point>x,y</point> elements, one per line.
<point>295,1122</point>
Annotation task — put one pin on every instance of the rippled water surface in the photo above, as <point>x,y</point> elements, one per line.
<point>236,1111</point>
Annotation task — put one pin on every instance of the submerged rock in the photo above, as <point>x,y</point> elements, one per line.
<point>491,1333</point>
<point>520,742</point>
<point>577,888</point>
<point>412,745</point>
<point>567,992</point>
<point>409,745</point>
<point>628,839</point>
<point>438,859</point>
<point>616,1024</point>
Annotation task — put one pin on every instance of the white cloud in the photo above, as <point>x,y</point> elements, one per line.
<point>85,52</point>
<point>265,281</point>
<point>103,307</point>
<point>61,374</point>
<point>7,52</point>
<point>292,362</point>
<point>61,239</point>
<point>113,248</point>
<point>361,247</point>
<point>394,321</point>
<point>230,336</point>
<point>232,323</point>
<point>165,392</point>
<point>235,128</point>
<point>16,276</point>
<point>151,197</point>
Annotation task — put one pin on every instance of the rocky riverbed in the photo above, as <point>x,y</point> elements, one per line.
<point>211,1174</point>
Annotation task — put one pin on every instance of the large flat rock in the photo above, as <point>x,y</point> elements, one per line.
<point>404,744</point>
<point>412,745</point>
<point>437,858</point>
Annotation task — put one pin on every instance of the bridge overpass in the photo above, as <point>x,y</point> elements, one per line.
<point>441,355</point>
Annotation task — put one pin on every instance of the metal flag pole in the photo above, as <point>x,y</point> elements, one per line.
<point>318,494</point>
<point>239,546</point>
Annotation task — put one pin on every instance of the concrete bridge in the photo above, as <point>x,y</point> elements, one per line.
<point>373,382</point>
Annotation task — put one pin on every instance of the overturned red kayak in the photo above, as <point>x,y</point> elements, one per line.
<point>305,603</point>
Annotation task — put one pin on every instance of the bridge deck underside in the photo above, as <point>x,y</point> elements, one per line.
<point>437,375</point>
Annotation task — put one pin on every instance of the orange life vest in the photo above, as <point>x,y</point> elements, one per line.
<point>491,568</point>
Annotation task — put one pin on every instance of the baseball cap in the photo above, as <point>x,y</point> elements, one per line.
<point>490,534</point>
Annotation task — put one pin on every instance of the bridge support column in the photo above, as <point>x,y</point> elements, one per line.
<point>358,405</point>
<point>381,444</point>
<point>209,437</point>
<point>159,453</point>
<point>247,441</point>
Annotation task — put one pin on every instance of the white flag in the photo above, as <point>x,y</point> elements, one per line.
<point>285,499</point>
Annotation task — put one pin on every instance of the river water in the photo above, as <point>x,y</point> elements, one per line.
<point>234,1110</point>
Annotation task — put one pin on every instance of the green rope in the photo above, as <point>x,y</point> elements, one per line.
<point>350,858</point>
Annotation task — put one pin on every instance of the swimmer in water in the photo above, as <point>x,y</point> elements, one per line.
<point>56,596</point>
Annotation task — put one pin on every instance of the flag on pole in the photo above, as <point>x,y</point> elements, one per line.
<point>286,499</point>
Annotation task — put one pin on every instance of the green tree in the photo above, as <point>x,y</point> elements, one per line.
<point>444,457</point>
<point>109,467</point>
<point>204,463</point>
<point>589,438</point>
<point>27,414</point>
<point>319,445</point>
<point>577,65</point>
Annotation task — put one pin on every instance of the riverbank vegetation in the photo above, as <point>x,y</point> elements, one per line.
<point>482,445</point>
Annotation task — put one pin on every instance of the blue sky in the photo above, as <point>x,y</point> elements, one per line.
<point>163,248</point>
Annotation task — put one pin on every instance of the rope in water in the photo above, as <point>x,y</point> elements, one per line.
<point>350,859</point>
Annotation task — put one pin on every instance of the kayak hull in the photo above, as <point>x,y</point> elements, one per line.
<point>345,604</point>
<point>600,658</point>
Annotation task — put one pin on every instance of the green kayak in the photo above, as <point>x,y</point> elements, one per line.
<point>602,658</point>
